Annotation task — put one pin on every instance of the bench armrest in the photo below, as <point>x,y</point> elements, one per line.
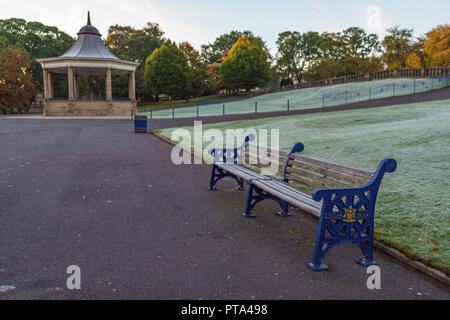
<point>229,155</point>
<point>298,147</point>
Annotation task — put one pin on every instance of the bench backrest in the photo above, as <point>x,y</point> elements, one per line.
<point>306,171</point>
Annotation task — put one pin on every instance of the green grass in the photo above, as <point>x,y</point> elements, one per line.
<point>308,98</point>
<point>412,211</point>
<point>178,103</point>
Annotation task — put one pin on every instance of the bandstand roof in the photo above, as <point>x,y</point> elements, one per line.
<point>88,55</point>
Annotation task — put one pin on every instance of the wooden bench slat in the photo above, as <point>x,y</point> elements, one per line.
<point>337,167</point>
<point>291,191</point>
<point>282,158</point>
<point>303,181</point>
<point>291,200</point>
<point>241,171</point>
<point>270,150</point>
<point>296,172</point>
<point>324,172</point>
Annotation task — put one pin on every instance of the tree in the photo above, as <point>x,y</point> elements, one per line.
<point>199,68</point>
<point>333,45</point>
<point>136,45</point>
<point>16,81</point>
<point>39,41</point>
<point>413,60</point>
<point>325,68</point>
<point>290,62</point>
<point>437,46</point>
<point>359,43</point>
<point>297,52</point>
<point>396,47</point>
<point>246,65</point>
<point>329,68</point>
<point>213,52</point>
<point>133,44</point>
<point>213,77</point>
<point>117,41</point>
<point>167,71</point>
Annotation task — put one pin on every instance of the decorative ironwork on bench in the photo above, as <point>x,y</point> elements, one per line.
<point>231,156</point>
<point>348,216</point>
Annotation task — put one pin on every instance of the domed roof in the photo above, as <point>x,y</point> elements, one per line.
<point>88,28</point>
<point>89,44</point>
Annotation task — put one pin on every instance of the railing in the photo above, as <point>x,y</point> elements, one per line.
<point>428,72</point>
<point>384,91</point>
<point>89,99</point>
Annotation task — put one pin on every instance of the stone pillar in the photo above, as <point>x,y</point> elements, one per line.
<point>131,86</point>
<point>76,89</point>
<point>49,85</point>
<point>70,81</point>
<point>45,72</point>
<point>108,84</point>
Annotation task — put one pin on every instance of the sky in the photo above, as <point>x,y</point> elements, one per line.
<point>201,21</point>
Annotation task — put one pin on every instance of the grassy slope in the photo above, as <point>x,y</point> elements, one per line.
<point>412,211</point>
<point>176,103</point>
<point>307,98</point>
<point>204,100</point>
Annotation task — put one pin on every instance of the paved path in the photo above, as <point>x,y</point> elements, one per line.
<point>94,194</point>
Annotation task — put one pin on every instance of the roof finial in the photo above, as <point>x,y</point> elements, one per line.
<point>89,19</point>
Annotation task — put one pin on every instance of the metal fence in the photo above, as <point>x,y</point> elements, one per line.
<point>384,91</point>
<point>291,100</point>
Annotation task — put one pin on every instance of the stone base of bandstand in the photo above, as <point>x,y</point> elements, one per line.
<point>89,108</point>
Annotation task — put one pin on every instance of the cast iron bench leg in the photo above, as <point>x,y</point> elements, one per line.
<point>260,195</point>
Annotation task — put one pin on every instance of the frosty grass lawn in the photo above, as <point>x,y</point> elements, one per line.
<point>412,212</point>
<point>308,98</point>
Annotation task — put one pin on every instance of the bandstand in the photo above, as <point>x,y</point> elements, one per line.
<point>88,56</point>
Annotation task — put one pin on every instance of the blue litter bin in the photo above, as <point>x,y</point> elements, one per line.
<point>140,124</point>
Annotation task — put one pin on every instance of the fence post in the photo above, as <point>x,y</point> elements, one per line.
<point>346,97</point>
<point>173,112</point>
<point>323,101</point>
<point>393,89</point>
<point>414,92</point>
<point>370,93</point>
<point>288,103</point>
<point>223,109</point>
<point>151,114</point>
<point>197,111</point>
<point>256,107</point>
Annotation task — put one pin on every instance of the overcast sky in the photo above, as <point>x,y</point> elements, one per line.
<point>201,21</point>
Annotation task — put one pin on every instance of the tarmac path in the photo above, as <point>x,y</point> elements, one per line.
<point>93,193</point>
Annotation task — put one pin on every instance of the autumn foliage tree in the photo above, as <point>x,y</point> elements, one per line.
<point>398,45</point>
<point>16,82</point>
<point>246,65</point>
<point>39,41</point>
<point>437,46</point>
<point>199,68</point>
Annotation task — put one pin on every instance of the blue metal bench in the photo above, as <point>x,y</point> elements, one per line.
<point>343,198</point>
